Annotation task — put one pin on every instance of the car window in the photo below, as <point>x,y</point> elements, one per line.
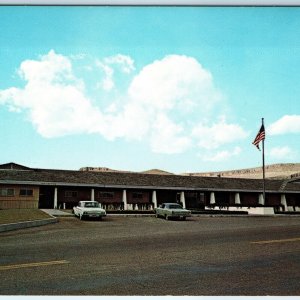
<point>91,204</point>
<point>175,206</point>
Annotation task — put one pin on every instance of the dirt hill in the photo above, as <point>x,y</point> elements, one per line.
<point>279,171</point>
<point>157,172</point>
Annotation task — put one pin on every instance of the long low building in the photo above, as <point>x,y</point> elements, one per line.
<point>24,187</point>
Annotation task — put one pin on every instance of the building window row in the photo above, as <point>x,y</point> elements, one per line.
<point>137,195</point>
<point>71,194</point>
<point>8,192</point>
<point>26,192</point>
<point>106,195</point>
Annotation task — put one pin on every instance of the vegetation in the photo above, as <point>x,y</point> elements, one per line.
<point>8,216</point>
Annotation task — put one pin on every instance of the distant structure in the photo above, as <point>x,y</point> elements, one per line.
<point>97,169</point>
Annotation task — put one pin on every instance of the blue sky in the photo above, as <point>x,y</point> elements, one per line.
<point>181,89</point>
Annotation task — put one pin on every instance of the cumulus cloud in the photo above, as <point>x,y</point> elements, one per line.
<point>107,83</point>
<point>222,155</point>
<point>167,136</point>
<point>53,98</point>
<point>221,133</point>
<point>159,106</point>
<point>123,62</point>
<point>284,152</point>
<point>174,82</point>
<point>286,124</point>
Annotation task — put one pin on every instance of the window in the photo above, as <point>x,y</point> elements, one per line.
<point>7,192</point>
<point>106,195</point>
<point>137,195</point>
<point>26,192</point>
<point>71,194</point>
<point>92,204</point>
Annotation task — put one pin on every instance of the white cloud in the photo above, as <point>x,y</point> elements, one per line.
<point>222,155</point>
<point>125,62</point>
<point>53,98</point>
<point>212,137</point>
<point>174,82</point>
<point>284,152</point>
<point>107,83</point>
<point>167,136</point>
<point>287,124</point>
<point>160,107</point>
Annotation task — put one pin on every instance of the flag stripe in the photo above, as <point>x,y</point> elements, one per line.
<point>260,136</point>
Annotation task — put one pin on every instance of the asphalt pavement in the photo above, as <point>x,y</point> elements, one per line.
<point>148,256</point>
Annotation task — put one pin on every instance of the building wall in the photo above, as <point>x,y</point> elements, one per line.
<point>273,200</point>
<point>108,196</point>
<point>70,196</point>
<point>293,199</point>
<point>164,196</point>
<point>249,199</point>
<point>193,200</point>
<point>138,197</point>
<point>12,196</point>
<point>19,196</point>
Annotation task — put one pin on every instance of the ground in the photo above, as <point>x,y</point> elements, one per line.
<point>8,216</point>
<point>148,256</point>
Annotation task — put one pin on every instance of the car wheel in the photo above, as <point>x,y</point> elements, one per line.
<point>183,218</point>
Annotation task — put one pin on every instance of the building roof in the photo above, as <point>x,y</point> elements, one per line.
<point>143,181</point>
<point>13,166</point>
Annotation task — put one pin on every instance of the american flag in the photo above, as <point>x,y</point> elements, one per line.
<point>259,137</point>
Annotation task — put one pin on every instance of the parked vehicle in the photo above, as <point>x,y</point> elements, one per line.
<point>172,210</point>
<point>90,209</point>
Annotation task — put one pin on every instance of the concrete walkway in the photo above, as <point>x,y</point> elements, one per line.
<point>56,213</point>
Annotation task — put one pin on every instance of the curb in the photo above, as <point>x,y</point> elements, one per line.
<point>27,224</point>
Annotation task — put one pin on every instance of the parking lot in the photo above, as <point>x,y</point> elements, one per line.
<point>149,256</point>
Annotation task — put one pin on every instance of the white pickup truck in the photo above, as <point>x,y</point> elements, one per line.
<point>90,209</point>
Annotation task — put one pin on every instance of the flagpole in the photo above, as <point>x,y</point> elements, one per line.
<point>263,161</point>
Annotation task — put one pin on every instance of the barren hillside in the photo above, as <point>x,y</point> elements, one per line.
<point>271,171</point>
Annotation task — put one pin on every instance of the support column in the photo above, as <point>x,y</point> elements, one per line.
<point>237,199</point>
<point>283,202</point>
<point>212,199</point>
<point>124,199</point>
<point>182,199</point>
<point>55,198</point>
<point>261,199</point>
<point>154,199</point>
<point>92,194</point>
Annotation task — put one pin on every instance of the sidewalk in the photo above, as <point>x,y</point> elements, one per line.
<point>57,213</point>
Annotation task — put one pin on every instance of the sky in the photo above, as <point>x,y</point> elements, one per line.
<point>182,89</point>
